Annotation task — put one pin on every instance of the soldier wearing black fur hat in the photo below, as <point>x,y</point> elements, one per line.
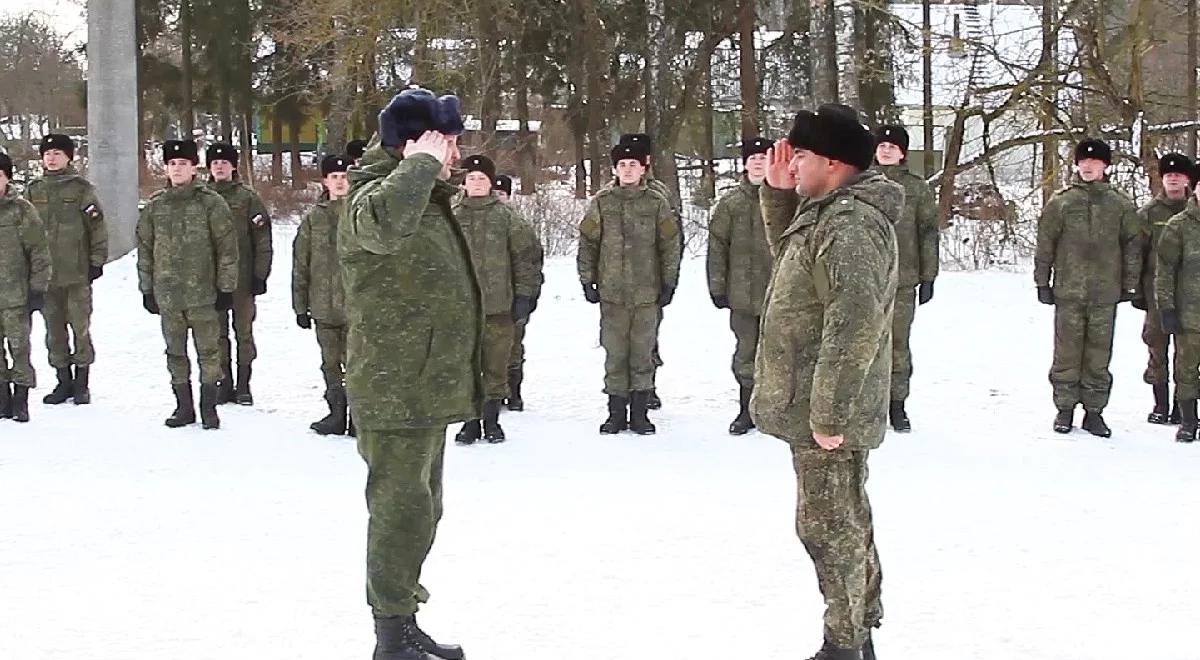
<point>1089,259</point>
<point>78,240</point>
<point>252,222</point>
<point>515,402</point>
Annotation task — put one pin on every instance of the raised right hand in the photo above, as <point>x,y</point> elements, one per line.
<point>431,142</point>
<point>779,161</point>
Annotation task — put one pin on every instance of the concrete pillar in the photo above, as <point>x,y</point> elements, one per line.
<point>112,117</point>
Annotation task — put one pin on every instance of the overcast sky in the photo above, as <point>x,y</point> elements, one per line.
<point>65,15</point>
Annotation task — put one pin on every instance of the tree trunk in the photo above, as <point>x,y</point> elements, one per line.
<point>246,171</point>
<point>927,86</point>
<point>185,70</point>
<point>277,149</point>
<point>226,113</point>
<point>824,51</point>
<point>1049,98</point>
<point>597,102</point>
<point>526,139</point>
<point>875,65</point>
<point>709,178</point>
<point>1192,94</point>
<point>945,194</point>
<point>748,71</point>
<point>488,71</point>
<point>294,148</point>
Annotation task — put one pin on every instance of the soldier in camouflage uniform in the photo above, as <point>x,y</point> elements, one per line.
<point>1176,171</point>
<point>25,271</point>
<point>739,267</point>
<point>413,360</point>
<point>317,293</point>
<point>1088,260</point>
<point>187,271</point>
<point>504,252</point>
<point>516,359</point>
<point>823,370</point>
<point>252,225</point>
<point>917,240</point>
<point>628,262</point>
<point>1177,299</point>
<point>78,243</point>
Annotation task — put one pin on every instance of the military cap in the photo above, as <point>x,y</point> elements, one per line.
<point>835,132</point>
<point>480,163</point>
<point>63,143</point>
<point>334,163</point>
<point>1176,164</point>
<point>638,139</point>
<point>893,134</point>
<point>356,148</point>
<point>630,152</point>
<point>185,149</point>
<point>754,146</point>
<point>414,111</point>
<point>503,183</point>
<point>221,151</point>
<point>1094,149</point>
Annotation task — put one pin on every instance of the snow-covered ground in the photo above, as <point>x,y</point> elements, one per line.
<point>123,540</point>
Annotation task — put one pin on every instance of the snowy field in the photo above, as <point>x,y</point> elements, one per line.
<point>123,540</point>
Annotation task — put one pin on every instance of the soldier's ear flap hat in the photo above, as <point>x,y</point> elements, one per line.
<point>480,163</point>
<point>221,151</point>
<point>63,143</point>
<point>893,134</point>
<point>414,111</point>
<point>503,183</point>
<point>1093,149</point>
<point>630,152</point>
<point>1176,164</point>
<point>638,140</point>
<point>333,163</point>
<point>754,146</point>
<point>835,132</point>
<point>185,149</point>
<point>6,165</point>
<point>356,148</point>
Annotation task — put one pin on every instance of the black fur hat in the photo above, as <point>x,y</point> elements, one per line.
<point>187,149</point>
<point>754,146</point>
<point>63,143</point>
<point>835,132</point>
<point>221,151</point>
<point>503,183</point>
<point>479,163</point>
<point>356,148</point>
<point>639,140</point>
<point>893,134</point>
<point>413,112</point>
<point>632,151</point>
<point>1093,148</point>
<point>1176,164</point>
<point>6,166</point>
<point>333,163</point>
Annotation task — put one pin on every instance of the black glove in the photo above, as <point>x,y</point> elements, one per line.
<point>1045,295</point>
<point>36,301</point>
<point>666,296</point>
<point>1127,296</point>
<point>522,307</point>
<point>1139,303</point>
<point>94,273</point>
<point>259,287</point>
<point>591,292</point>
<point>149,303</point>
<point>721,302</point>
<point>224,301</point>
<point>304,321</point>
<point>925,293</point>
<point>1170,322</point>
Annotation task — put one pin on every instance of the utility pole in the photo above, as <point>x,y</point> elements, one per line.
<point>927,91</point>
<point>1193,102</point>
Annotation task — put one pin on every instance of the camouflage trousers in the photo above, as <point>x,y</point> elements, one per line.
<point>902,368</point>
<point>1187,366</point>
<point>404,500</point>
<point>745,333</point>
<point>332,340</point>
<point>244,311</point>
<point>833,520</point>
<point>1083,340</point>
<point>628,334</point>
<point>204,323</point>
<point>68,312</point>
<point>1158,343</point>
<point>516,357</point>
<point>496,349</point>
<point>15,329</point>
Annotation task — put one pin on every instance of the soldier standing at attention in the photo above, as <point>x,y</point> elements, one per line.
<point>503,250</point>
<point>628,261</point>
<point>252,225</point>
<point>317,293</point>
<point>24,277</point>
<point>413,356</point>
<point>1088,259</point>
<point>78,242</point>
<point>187,270</point>
<point>739,268</point>
<point>917,242</point>
<point>1176,171</point>
<point>823,371</point>
<point>516,360</point>
<point>1177,298</point>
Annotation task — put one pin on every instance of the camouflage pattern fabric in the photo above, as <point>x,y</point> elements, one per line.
<point>15,329</point>
<point>503,250</point>
<point>332,341</point>
<point>1187,366</point>
<point>739,258</point>
<point>902,320</point>
<point>1177,269</point>
<point>516,357</point>
<point>187,248</point>
<point>1083,339</point>
<point>316,274</point>
<point>497,349</point>
<point>24,256</point>
<point>69,307</point>
<point>204,324</point>
<point>252,226</point>
<point>627,333</point>
<point>242,314</point>
<point>75,228</point>
<point>917,239</point>
<point>745,333</point>
<point>1153,218</point>
<point>628,245</point>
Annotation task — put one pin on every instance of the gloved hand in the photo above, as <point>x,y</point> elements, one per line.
<point>304,321</point>
<point>1170,322</point>
<point>925,293</point>
<point>1139,303</point>
<point>667,295</point>
<point>721,302</point>
<point>1045,295</point>
<point>522,307</point>
<point>591,292</point>
<point>94,273</point>
<point>36,301</point>
<point>149,303</point>
<point>224,301</point>
<point>1127,296</point>
<point>258,287</point>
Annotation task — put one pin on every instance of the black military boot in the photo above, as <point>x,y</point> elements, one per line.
<point>20,403</point>
<point>898,417</point>
<point>831,652</point>
<point>426,643</point>
<point>491,422</point>
<point>82,393</point>
<point>618,417</point>
<point>225,385</point>
<point>1176,417</point>
<point>515,377</point>
<point>1064,421</point>
<point>639,422</point>
<point>868,649</point>
<point>335,422</point>
<point>1160,414</point>
<point>1187,428</point>
<point>394,641</point>
<point>208,407</point>
<point>652,400</point>
<point>5,401</point>
<point>63,390</point>
<point>244,397</point>
<point>470,432</point>
<point>743,423</point>
<point>185,411</point>
<point>1093,422</point>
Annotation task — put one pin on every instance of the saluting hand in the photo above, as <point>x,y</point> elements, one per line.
<point>432,143</point>
<point>779,162</point>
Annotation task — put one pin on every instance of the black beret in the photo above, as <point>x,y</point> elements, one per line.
<point>6,166</point>
<point>221,151</point>
<point>186,149</point>
<point>1176,164</point>
<point>503,183</point>
<point>333,163</point>
<point>478,163</point>
<point>356,148</point>
<point>630,152</point>
<point>893,134</point>
<point>1093,148</point>
<point>754,146</point>
<point>835,132</point>
<point>413,112</point>
<point>638,139</point>
<point>63,143</point>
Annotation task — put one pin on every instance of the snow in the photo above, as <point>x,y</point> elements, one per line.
<point>124,540</point>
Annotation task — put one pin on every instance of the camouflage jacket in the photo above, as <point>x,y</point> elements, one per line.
<point>187,248</point>
<point>629,246</point>
<point>1177,271</point>
<point>503,251</point>
<point>1088,244</point>
<point>316,274</point>
<point>739,259</point>
<point>24,257</point>
<point>75,228</point>
<point>825,351</point>
<point>1152,218</point>
<point>412,300</point>
<point>252,225</point>
<point>917,239</point>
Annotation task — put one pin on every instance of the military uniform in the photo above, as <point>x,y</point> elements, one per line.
<point>317,290</point>
<point>1177,297</point>
<point>1153,218</point>
<point>25,271</point>
<point>516,358</point>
